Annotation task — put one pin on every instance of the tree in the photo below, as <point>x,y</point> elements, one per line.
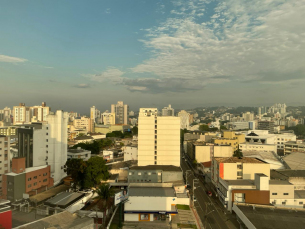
<point>204,128</point>
<point>195,162</point>
<point>104,192</point>
<point>96,171</point>
<point>223,128</point>
<point>238,153</point>
<point>81,134</point>
<point>134,130</point>
<point>76,169</point>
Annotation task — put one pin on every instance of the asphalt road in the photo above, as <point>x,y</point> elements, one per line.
<point>212,214</point>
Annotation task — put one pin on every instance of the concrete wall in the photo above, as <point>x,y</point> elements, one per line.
<point>37,179</point>
<point>130,153</point>
<point>203,153</point>
<point>170,176</point>
<point>280,190</point>
<point>258,147</point>
<point>15,187</point>
<point>230,171</point>
<point>250,169</point>
<point>131,217</point>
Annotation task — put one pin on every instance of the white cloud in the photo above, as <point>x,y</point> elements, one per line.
<point>11,59</point>
<point>111,75</point>
<point>243,40</point>
<point>107,11</point>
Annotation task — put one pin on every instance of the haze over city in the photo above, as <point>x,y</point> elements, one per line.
<point>151,53</point>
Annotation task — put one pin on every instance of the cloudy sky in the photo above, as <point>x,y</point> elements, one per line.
<point>149,53</point>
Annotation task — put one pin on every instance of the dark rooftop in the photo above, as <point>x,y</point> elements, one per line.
<point>64,199</point>
<point>285,174</point>
<point>157,167</point>
<point>151,191</point>
<point>269,218</point>
<point>83,138</point>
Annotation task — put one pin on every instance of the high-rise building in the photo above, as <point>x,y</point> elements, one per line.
<point>184,119</point>
<point>266,125</point>
<point>45,144</point>
<point>21,114</point>
<point>158,139</point>
<point>248,116</point>
<point>39,113</point>
<point>82,123</point>
<point>168,111</point>
<point>121,111</point>
<point>4,157</point>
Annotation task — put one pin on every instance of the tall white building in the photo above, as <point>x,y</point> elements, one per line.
<point>168,111</point>
<point>248,116</point>
<point>108,118</point>
<point>21,114</point>
<point>184,119</point>
<point>158,138</point>
<point>39,113</point>
<point>121,111</point>
<point>46,144</point>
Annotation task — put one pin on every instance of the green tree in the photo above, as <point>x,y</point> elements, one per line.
<point>299,130</point>
<point>104,192</point>
<point>96,171</point>
<point>81,134</point>
<point>76,169</point>
<point>223,128</point>
<point>204,128</point>
<point>195,163</point>
<point>134,130</point>
<point>238,153</point>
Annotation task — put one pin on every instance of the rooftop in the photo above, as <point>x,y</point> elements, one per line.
<point>27,170</point>
<point>295,161</point>
<point>49,193</point>
<point>299,194</point>
<point>279,182</point>
<point>83,137</point>
<point>64,199</point>
<point>238,160</point>
<point>269,218</point>
<point>286,174</point>
<point>240,182</point>
<point>157,167</point>
<point>63,220</point>
<point>151,191</point>
<point>77,150</point>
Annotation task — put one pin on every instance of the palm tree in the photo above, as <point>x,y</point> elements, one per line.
<point>104,192</point>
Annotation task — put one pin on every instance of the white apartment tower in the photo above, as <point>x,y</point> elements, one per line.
<point>108,118</point>
<point>121,111</point>
<point>184,119</point>
<point>39,113</point>
<point>168,111</point>
<point>158,138</point>
<point>21,114</point>
<point>46,144</point>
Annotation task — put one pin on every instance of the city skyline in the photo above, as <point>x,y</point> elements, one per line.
<point>152,53</point>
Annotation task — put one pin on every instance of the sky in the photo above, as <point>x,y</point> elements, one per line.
<point>151,53</point>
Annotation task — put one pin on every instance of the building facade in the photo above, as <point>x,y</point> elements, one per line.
<point>168,111</point>
<point>158,139</point>
<point>4,157</point>
<point>184,119</point>
<point>121,111</point>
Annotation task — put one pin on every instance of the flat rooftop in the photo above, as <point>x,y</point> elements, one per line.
<point>299,194</point>
<point>240,182</point>
<point>157,167</point>
<point>279,182</point>
<point>238,160</point>
<point>78,151</point>
<point>62,220</point>
<point>27,170</point>
<point>65,198</point>
<point>270,218</point>
<point>151,191</point>
<point>49,193</point>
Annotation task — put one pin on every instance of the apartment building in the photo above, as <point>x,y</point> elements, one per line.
<point>79,153</point>
<point>21,114</point>
<point>108,118</point>
<point>266,125</point>
<point>255,146</point>
<point>121,111</point>
<point>158,138</point>
<point>230,138</point>
<point>8,130</point>
<point>234,168</point>
<point>184,119</point>
<point>24,180</point>
<point>45,144</point>
<point>168,111</point>
<point>82,123</point>
<point>4,157</point>
<point>39,113</point>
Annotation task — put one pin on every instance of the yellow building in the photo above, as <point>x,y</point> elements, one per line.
<point>230,138</point>
<point>8,130</point>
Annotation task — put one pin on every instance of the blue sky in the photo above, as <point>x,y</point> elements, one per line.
<point>75,54</point>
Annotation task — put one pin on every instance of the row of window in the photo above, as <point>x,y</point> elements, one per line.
<point>45,180</point>
<point>35,177</point>
<point>275,194</point>
<point>145,173</point>
<point>140,180</point>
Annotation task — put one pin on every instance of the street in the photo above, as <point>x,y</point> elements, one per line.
<point>217,216</point>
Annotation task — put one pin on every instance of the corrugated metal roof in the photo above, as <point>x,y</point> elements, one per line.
<point>151,191</point>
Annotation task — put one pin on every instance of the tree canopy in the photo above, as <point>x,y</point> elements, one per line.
<point>96,146</point>
<point>119,134</point>
<point>238,153</point>
<point>134,130</point>
<point>299,130</point>
<point>87,174</point>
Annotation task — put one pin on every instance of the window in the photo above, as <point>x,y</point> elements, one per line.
<point>274,194</point>
<point>35,177</point>
<point>155,157</point>
<point>45,174</point>
<point>35,183</point>
<point>47,133</point>
<point>45,180</point>
<point>139,174</point>
<point>149,173</point>
<point>300,202</point>
<point>159,174</point>
<point>47,146</point>
<point>47,140</point>
<point>29,185</point>
<point>155,162</point>
<point>283,203</point>
<point>286,194</point>
<point>29,179</point>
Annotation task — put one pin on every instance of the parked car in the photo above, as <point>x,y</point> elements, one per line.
<point>209,193</point>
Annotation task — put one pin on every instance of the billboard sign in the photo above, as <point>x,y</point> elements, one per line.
<point>120,196</point>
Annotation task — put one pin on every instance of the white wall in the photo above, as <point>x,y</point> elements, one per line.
<point>131,217</point>
<point>130,153</point>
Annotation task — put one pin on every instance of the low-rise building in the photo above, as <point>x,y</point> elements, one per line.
<point>104,129</point>
<point>130,152</point>
<point>24,180</point>
<point>294,146</point>
<point>255,146</point>
<point>230,138</point>
<point>79,153</point>
<point>234,168</point>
